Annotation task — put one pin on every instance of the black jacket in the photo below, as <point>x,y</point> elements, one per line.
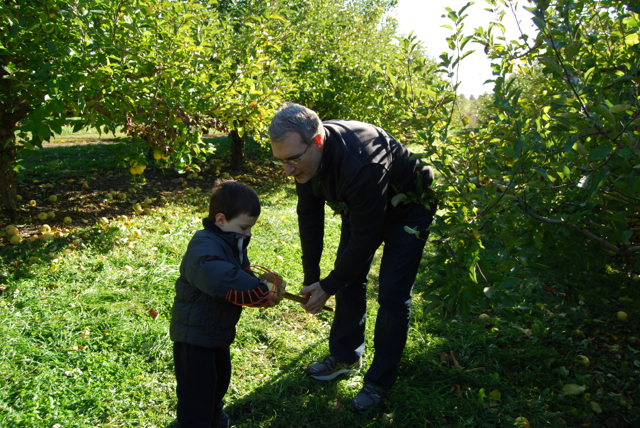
<point>212,267</point>
<point>362,168</point>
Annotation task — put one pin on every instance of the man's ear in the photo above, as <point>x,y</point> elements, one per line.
<point>318,140</point>
<point>220,219</point>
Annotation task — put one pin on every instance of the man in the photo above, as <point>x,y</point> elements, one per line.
<point>357,169</point>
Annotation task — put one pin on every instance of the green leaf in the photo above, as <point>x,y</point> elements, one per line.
<point>543,174</point>
<point>581,149</point>
<point>603,111</point>
<point>632,39</point>
<point>400,197</point>
<point>619,108</point>
<point>599,153</point>
<point>573,389</point>
<point>509,283</point>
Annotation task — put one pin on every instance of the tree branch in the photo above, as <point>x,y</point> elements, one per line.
<point>608,245</point>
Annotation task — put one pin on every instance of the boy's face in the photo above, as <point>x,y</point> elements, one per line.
<point>241,224</point>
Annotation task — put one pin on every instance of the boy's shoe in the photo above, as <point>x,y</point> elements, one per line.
<point>368,398</point>
<point>331,367</point>
<point>221,420</point>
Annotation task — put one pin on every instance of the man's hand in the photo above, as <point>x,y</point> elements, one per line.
<point>316,296</point>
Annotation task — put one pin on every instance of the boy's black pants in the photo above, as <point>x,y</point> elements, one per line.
<point>203,376</point>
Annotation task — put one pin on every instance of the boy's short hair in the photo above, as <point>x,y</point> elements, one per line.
<point>232,198</point>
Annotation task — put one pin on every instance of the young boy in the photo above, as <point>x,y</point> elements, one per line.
<point>210,292</point>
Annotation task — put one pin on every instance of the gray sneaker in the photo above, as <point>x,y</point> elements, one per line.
<point>368,398</point>
<point>331,367</point>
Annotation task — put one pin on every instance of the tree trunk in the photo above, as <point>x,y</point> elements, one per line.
<point>237,151</point>
<point>8,177</point>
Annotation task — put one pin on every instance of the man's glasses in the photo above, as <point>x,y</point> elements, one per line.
<point>294,161</point>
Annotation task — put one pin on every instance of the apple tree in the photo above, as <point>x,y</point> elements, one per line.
<point>107,63</point>
<point>551,179</point>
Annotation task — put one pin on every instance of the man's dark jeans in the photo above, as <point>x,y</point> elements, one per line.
<point>398,269</point>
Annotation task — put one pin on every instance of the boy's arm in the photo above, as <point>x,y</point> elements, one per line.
<point>217,277</point>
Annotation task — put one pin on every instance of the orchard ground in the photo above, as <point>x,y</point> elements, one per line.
<point>84,319</point>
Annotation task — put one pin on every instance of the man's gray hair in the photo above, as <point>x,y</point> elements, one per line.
<point>294,117</point>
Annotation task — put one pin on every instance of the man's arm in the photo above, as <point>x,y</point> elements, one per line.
<point>367,203</point>
<point>310,212</point>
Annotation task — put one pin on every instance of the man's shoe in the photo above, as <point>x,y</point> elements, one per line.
<point>221,420</point>
<point>331,367</point>
<point>368,398</point>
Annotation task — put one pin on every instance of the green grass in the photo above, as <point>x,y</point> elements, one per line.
<point>80,347</point>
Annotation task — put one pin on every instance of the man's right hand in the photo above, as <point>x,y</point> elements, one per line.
<point>316,296</point>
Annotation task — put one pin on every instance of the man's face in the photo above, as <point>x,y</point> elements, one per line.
<point>300,161</point>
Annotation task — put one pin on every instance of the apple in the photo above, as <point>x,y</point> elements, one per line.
<point>147,201</point>
<point>45,228</point>
<point>33,238</point>
<point>32,203</point>
<point>53,198</point>
<point>226,175</point>
<point>18,198</point>
<point>12,230</point>
<point>584,360</point>
<point>157,154</point>
<point>16,239</point>
<point>122,196</point>
<point>484,317</point>
<point>622,316</point>
<point>108,197</point>
<point>51,215</point>
<point>522,422</point>
<point>123,218</point>
<point>42,216</point>
<point>67,220</point>
<point>103,220</point>
<point>139,168</point>
<point>85,185</point>
<point>46,237</point>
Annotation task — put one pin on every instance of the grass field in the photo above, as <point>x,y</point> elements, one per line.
<point>84,324</point>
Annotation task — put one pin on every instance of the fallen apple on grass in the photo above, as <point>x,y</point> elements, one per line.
<point>15,239</point>
<point>46,237</point>
<point>12,230</point>
<point>42,216</point>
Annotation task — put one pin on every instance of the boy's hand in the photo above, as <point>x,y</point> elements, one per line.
<point>280,284</point>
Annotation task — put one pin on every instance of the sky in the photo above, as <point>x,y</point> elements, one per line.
<point>423,17</point>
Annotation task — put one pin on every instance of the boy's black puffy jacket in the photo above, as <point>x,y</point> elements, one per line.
<point>212,266</point>
<point>362,168</point>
